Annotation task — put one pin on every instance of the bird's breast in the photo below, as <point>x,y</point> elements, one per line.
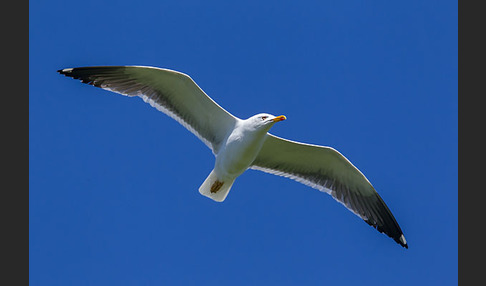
<point>238,152</point>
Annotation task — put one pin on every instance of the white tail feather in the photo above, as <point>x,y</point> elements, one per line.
<point>215,188</point>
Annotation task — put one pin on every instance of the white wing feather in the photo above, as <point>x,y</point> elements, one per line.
<point>326,169</point>
<point>171,92</point>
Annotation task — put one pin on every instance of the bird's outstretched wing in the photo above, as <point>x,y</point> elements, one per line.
<point>171,92</point>
<point>325,169</point>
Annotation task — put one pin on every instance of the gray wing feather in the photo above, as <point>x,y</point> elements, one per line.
<point>171,92</point>
<point>325,169</point>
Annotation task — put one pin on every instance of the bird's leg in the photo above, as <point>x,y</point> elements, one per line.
<point>216,186</point>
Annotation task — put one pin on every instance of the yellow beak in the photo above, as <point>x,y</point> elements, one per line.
<point>279,118</point>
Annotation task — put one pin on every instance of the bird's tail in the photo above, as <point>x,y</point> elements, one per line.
<point>215,188</point>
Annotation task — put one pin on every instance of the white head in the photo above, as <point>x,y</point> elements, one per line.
<point>264,121</point>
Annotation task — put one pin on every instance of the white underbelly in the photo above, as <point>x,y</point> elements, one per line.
<point>236,156</point>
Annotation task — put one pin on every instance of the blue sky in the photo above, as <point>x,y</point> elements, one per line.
<point>114,183</point>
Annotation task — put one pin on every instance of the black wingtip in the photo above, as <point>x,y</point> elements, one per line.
<point>402,241</point>
<point>65,72</point>
<point>400,238</point>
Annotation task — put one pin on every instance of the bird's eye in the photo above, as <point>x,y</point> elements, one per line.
<point>264,117</point>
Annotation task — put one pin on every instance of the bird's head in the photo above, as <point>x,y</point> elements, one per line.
<point>264,121</point>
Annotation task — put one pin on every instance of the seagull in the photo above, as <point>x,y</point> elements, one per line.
<point>242,144</point>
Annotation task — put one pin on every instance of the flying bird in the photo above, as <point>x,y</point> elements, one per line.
<point>241,144</point>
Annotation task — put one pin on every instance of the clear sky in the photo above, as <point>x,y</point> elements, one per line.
<point>114,183</point>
